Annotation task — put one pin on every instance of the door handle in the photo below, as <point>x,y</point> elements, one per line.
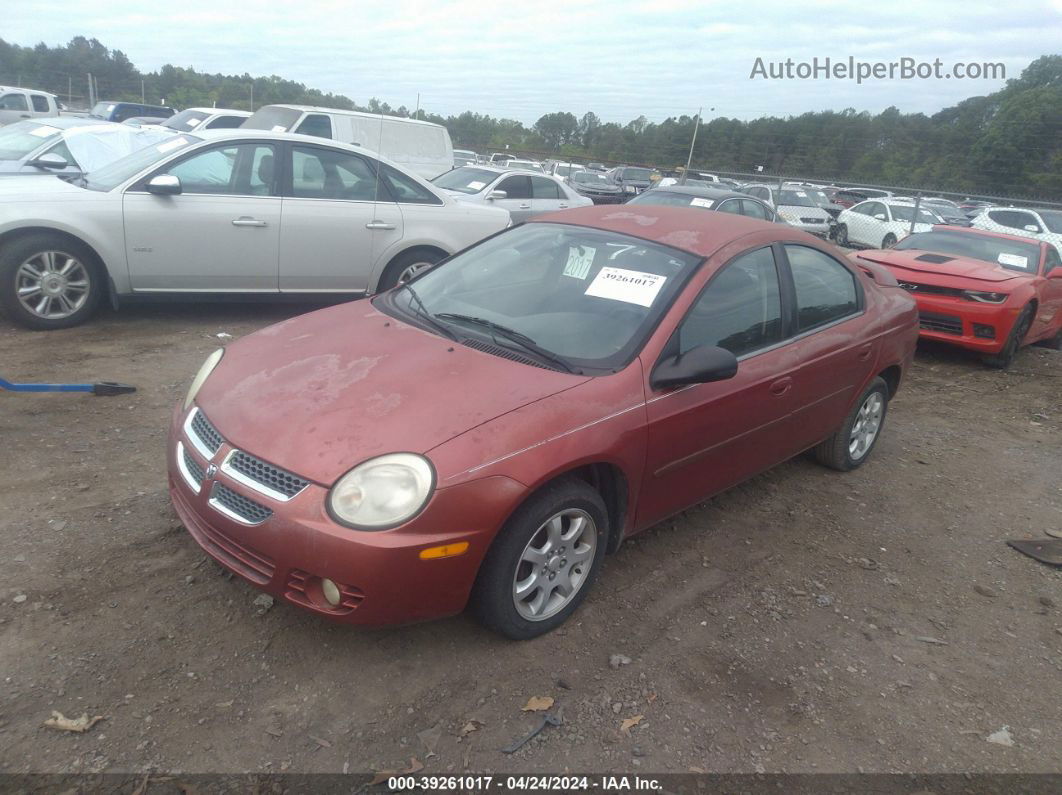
<point>379,225</point>
<point>243,220</point>
<point>525,207</point>
<point>781,386</point>
<point>865,351</point>
<point>563,206</point>
<point>25,115</point>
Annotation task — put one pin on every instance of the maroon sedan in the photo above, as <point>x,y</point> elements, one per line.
<point>483,434</point>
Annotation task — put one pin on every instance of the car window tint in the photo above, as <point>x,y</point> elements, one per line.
<point>316,124</point>
<point>225,123</point>
<point>1052,260</point>
<point>544,188</point>
<point>63,151</point>
<point>730,206</point>
<point>740,310</point>
<point>13,102</point>
<point>825,289</point>
<point>516,187</point>
<point>753,209</point>
<point>406,190</point>
<point>40,104</point>
<point>331,174</point>
<point>1013,219</point>
<point>246,169</point>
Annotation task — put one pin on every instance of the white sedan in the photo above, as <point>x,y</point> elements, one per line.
<point>223,212</point>
<point>880,223</point>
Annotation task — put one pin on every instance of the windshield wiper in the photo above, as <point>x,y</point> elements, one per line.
<point>428,316</point>
<point>519,338</point>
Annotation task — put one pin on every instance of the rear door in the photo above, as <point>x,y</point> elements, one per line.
<point>546,196</point>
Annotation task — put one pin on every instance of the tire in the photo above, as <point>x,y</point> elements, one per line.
<point>495,601</point>
<point>840,235</point>
<point>841,450</point>
<point>888,241</point>
<point>406,265</point>
<point>1003,359</point>
<point>66,276</point>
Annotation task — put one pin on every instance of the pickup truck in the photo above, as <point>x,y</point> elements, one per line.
<point>19,104</point>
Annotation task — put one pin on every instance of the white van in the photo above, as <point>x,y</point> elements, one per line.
<point>421,146</point>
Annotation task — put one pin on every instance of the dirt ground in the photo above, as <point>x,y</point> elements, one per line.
<point>805,621</point>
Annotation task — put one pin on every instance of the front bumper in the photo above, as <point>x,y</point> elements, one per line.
<point>952,320</point>
<point>381,578</point>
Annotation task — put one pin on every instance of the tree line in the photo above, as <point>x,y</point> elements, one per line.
<point>1008,143</point>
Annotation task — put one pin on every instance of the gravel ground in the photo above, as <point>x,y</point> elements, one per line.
<point>804,621</point>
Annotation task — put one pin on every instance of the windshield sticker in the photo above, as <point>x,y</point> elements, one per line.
<point>477,185</point>
<point>279,128</point>
<point>580,258</point>
<point>168,146</point>
<point>801,194</point>
<point>193,122</point>
<point>631,287</point>
<point>1013,260</point>
<point>44,132</point>
<point>697,201</point>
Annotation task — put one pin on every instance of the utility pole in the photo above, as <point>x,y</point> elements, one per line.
<point>142,91</point>
<point>416,113</point>
<point>689,160</point>
<point>252,96</point>
<point>91,101</point>
<point>914,212</point>
<point>69,90</point>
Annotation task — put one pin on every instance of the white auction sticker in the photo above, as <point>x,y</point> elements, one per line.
<point>697,201</point>
<point>632,287</point>
<point>477,185</point>
<point>279,128</point>
<point>1015,260</point>
<point>580,258</point>
<point>44,132</point>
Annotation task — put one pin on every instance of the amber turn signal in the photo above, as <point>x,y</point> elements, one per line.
<point>445,551</point>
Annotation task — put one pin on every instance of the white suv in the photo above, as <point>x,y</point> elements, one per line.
<point>1041,224</point>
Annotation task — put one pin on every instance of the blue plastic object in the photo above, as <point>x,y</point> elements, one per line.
<point>100,388</point>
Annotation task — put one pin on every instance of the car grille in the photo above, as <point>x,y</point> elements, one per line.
<point>238,557</point>
<point>945,324</point>
<point>813,220</point>
<point>192,468</point>
<point>238,507</point>
<point>206,433</point>
<point>930,289</point>
<point>264,475</point>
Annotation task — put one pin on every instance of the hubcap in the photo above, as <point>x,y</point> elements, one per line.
<point>412,271</point>
<point>865,428</point>
<point>52,284</point>
<point>554,564</point>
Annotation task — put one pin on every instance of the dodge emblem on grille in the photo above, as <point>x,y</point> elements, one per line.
<point>211,471</point>
<point>909,286</point>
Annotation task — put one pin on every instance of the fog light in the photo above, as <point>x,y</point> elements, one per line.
<point>330,591</point>
<point>983,331</point>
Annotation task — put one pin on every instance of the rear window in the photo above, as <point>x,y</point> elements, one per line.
<point>273,118</point>
<point>186,120</point>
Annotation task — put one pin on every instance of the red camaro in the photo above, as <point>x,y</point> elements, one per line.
<point>484,433</point>
<point>985,291</point>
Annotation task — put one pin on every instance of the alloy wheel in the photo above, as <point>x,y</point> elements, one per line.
<point>555,564</point>
<point>52,284</point>
<point>866,426</point>
<point>413,270</point>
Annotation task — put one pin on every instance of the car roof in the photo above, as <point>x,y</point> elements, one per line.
<point>341,112</point>
<point>221,110</point>
<point>972,230</point>
<point>28,90</point>
<point>66,122</point>
<point>703,192</point>
<point>686,228</point>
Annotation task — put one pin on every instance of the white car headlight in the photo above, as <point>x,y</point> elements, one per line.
<point>630,188</point>
<point>201,377</point>
<point>382,492</point>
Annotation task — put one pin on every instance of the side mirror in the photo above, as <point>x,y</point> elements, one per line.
<point>880,216</point>
<point>1032,228</point>
<point>496,194</point>
<point>699,365</point>
<point>50,160</point>
<point>164,185</point>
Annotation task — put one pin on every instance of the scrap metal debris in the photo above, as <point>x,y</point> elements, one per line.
<point>549,719</point>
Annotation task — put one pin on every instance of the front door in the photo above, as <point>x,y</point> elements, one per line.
<point>708,437</point>
<point>517,199</point>
<point>219,234</point>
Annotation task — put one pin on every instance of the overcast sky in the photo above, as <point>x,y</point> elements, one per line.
<point>620,59</point>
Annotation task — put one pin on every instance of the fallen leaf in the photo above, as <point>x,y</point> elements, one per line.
<point>629,723</point>
<point>695,769</point>
<point>321,741</point>
<point>537,704</point>
<point>651,698</point>
<point>82,724</point>
<point>471,726</point>
<point>382,775</point>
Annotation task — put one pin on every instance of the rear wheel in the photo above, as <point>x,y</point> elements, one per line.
<point>851,444</point>
<point>407,265</point>
<point>48,281</point>
<point>889,241</point>
<point>1003,359</point>
<point>840,235</point>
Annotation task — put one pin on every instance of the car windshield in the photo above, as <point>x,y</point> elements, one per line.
<point>19,139</point>
<point>588,296</point>
<point>102,110</point>
<point>905,212</point>
<point>662,196</point>
<point>114,174</point>
<point>940,204</point>
<point>272,118</point>
<point>566,169</point>
<point>1053,220</point>
<point>465,179</point>
<point>795,198</point>
<point>524,164</point>
<point>641,174</point>
<point>186,120</point>
<point>819,198</point>
<point>1011,254</point>
<point>590,178</point>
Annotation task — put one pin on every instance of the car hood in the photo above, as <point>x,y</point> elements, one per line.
<point>320,393</point>
<point>32,187</point>
<point>905,264</point>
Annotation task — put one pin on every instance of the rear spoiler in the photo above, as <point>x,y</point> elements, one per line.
<point>875,270</point>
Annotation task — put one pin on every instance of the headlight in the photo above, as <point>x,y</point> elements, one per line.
<point>382,492</point>
<point>985,298</point>
<point>203,374</point>
<point>629,188</point>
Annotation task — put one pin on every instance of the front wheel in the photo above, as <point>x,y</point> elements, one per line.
<point>851,444</point>
<point>840,235</point>
<point>1003,359</point>
<point>49,282</point>
<point>889,241</point>
<point>543,562</point>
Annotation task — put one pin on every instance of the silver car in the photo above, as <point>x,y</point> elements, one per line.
<point>523,193</point>
<point>223,212</point>
<point>68,145</point>
<point>794,206</point>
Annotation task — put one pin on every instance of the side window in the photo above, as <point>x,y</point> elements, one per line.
<point>825,289</point>
<point>760,193</point>
<point>544,188</point>
<point>319,173</point>
<point>40,103</point>
<point>225,123</point>
<point>874,209</point>
<point>63,151</point>
<point>13,102</point>
<point>740,309</point>
<point>753,209</point>
<point>406,190</point>
<point>1052,260</point>
<point>730,206</point>
<point>516,187</point>
<point>246,169</point>
<point>316,124</point>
